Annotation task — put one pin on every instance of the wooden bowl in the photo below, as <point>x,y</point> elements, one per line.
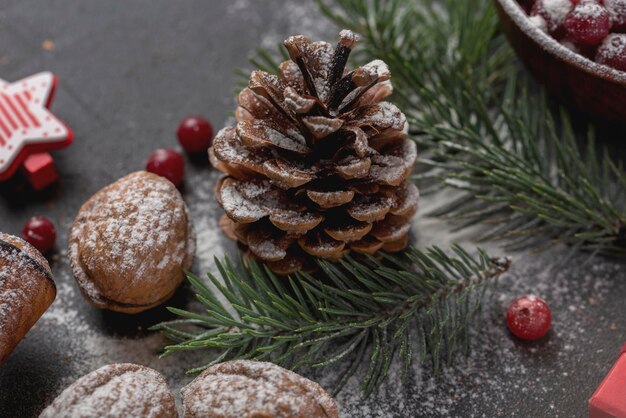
<point>590,88</point>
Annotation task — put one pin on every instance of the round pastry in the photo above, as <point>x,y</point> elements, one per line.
<point>116,390</point>
<point>26,290</point>
<point>252,389</point>
<point>131,242</point>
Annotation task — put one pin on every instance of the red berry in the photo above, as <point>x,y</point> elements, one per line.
<point>612,51</point>
<point>553,12</point>
<point>617,11</point>
<point>195,134</point>
<point>589,23</point>
<point>167,163</point>
<point>39,231</point>
<point>529,317</point>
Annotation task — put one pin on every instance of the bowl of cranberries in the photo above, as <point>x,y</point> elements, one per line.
<point>576,48</point>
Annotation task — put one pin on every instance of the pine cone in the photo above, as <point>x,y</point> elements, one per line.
<point>317,164</point>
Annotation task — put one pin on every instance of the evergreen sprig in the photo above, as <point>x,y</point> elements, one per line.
<point>359,312</point>
<point>522,178</point>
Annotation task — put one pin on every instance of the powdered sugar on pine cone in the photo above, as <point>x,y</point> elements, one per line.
<point>317,164</point>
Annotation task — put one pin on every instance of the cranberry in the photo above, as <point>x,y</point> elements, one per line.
<point>612,51</point>
<point>39,231</point>
<point>617,11</point>
<point>529,318</point>
<point>588,23</point>
<point>167,163</point>
<point>553,12</point>
<point>195,134</point>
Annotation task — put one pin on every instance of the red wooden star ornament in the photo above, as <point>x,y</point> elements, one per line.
<point>28,129</point>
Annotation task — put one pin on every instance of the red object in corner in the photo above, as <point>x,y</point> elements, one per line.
<point>609,400</point>
<point>27,126</point>
<point>40,171</point>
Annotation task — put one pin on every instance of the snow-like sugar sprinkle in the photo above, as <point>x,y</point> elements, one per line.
<point>377,68</point>
<point>123,227</point>
<point>387,116</point>
<point>617,11</point>
<point>570,45</point>
<point>116,391</point>
<point>134,220</point>
<point>556,10</point>
<point>268,250</point>
<point>552,46</point>
<point>17,283</point>
<point>588,10</point>
<point>539,22</point>
<point>243,388</point>
<point>613,46</point>
<point>240,206</point>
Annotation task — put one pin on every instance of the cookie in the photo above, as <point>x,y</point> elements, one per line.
<point>26,290</point>
<point>252,389</point>
<point>115,391</point>
<point>131,243</point>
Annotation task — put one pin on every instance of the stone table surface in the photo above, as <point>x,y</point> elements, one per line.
<point>128,72</point>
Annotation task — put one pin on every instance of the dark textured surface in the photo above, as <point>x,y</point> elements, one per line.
<point>129,70</point>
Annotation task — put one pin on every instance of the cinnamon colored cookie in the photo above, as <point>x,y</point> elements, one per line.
<point>252,389</point>
<point>116,390</point>
<point>131,243</point>
<point>26,290</point>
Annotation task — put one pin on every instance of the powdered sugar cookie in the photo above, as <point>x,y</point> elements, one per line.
<point>26,290</point>
<point>247,389</point>
<point>131,243</point>
<point>116,390</point>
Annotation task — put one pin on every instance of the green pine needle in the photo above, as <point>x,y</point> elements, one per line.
<point>361,312</point>
<point>523,179</point>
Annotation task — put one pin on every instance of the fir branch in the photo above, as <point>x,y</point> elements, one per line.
<point>360,312</point>
<point>537,188</point>
<point>522,178</point>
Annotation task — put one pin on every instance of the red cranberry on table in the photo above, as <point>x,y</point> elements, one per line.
<point>612,51</point>
<point>529,318</point>
<point>195,134</point>
<point>39,231</point>
<point>588,23</point>
<point>167,163</point>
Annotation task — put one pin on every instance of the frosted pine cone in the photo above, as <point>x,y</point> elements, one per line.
<point>317,164</point>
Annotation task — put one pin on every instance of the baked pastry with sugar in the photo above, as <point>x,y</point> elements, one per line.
<point>116,390</point>
<point>131,243</point>
<point>252,389</point>
<point>26,290</point>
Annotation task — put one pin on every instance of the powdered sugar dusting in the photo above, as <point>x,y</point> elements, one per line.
<point>19,284</point>
<point>118,390</point>
<point>240,206</point>
<point>588,10</point>
<point>119,232</point>
<point>613,46</point>
<point>501,371</point>
<point>554,11</point>
<point>11,262</point>
<point>247,388</point>
<point>539,22</point>
<point>386,115</point>
<point>617,11</point>
<point>547,42</point>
